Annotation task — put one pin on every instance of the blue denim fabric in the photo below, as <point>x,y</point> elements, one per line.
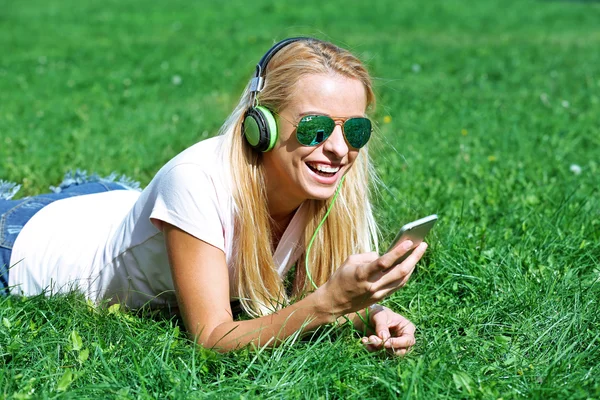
<point>14,214</point>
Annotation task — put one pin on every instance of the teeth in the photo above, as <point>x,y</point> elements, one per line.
<point>325,168</point>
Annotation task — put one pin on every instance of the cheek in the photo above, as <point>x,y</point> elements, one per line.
<point>287,145</point>
<point>284,158</point>
<point>291,153</point>
<point>285,133</point>
<point>352,156</point>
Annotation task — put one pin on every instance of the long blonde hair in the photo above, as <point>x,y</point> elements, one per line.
<point>350,227</point>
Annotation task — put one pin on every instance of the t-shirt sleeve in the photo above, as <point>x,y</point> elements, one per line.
<point>186,197</point>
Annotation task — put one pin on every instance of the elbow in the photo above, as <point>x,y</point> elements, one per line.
<point>214,339</point>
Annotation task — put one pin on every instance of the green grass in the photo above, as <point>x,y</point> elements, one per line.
<point>489,105</point>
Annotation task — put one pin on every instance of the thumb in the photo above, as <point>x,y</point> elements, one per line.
<point>379,319</point>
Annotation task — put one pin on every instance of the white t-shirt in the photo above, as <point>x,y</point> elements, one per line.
<point>110,246</point>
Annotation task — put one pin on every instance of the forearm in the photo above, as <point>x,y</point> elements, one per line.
<point>304,316</point>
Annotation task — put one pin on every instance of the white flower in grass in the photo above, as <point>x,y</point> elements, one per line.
<point>576,169</point>
<point>565,104</point>
<point>176,80</point>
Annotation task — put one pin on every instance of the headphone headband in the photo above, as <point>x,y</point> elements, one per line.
<point>258,82</point>
<point>260,126</point>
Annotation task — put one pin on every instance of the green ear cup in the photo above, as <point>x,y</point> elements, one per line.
<point>272,124</point>
<point>251,131</point>
<point>260,128</point>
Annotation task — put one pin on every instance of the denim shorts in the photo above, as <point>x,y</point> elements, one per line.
<point>14,214</point>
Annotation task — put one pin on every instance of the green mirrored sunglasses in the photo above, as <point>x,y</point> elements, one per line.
<point>313,130</point>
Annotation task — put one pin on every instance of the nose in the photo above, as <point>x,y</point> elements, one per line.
<point>336,143</point>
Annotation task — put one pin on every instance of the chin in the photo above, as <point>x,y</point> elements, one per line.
<point>321,193</point>
<point>319,188</point>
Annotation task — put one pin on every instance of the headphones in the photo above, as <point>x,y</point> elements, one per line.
<point>259,126</point>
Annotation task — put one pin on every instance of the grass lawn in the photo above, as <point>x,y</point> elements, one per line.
<point>488,115</point>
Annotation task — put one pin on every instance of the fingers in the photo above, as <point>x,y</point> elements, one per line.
<point>412,253</point>
<point>380,320</point>
<point>362,262</point>
<point>403,336</point>
<point>396,346</point>
<point>385,261</point>
<point>399,353</point>
<point>367,278</point>
<point>363,258</point>
<point>403,328</point>
<point>395,333</point>
<point>402,342</point>
<point>397,255</point>
<point>396,277</point>
<point>372,343</point>
<point>392,256</point>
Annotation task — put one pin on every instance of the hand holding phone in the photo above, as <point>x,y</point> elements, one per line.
<point>414,231</point>
<point>368,278</point>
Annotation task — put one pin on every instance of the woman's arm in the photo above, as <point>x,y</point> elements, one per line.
<point>201,280</point>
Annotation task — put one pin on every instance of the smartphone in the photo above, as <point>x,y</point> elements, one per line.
<point>414,231</point>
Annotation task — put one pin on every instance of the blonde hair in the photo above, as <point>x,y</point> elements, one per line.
<point>350,227</point>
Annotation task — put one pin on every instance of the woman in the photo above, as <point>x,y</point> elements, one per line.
<point>280,196</point>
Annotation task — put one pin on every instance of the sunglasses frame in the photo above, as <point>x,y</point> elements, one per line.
<point>341,121</point>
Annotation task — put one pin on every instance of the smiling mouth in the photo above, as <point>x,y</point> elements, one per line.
<point>323,169</point>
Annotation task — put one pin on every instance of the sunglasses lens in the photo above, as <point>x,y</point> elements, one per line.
<point>314,129</point>
<point>357,131</point>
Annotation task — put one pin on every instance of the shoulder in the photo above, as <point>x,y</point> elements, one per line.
<point>200,163</point>
<point>205,153</point>
<point>194,185</point>
<point>192,193</point>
